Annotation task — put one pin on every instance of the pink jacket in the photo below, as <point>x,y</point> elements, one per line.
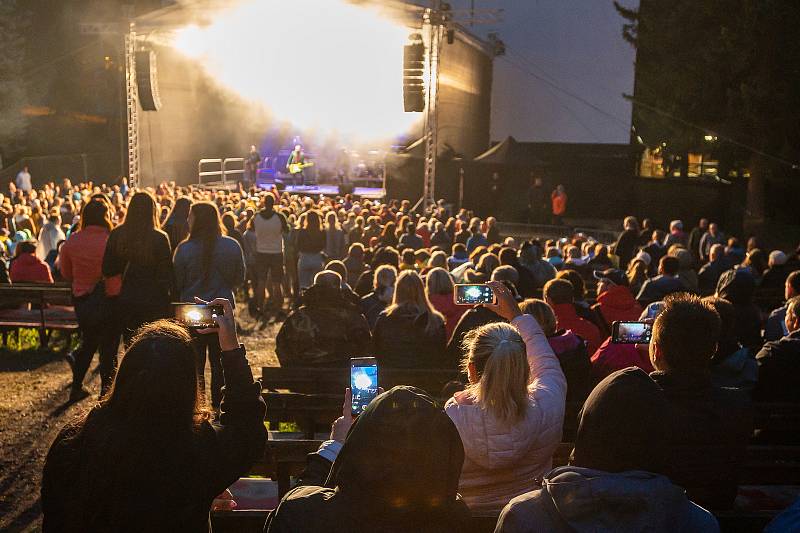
<point>503,462</point>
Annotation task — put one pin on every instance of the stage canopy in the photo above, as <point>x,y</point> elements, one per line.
<point>511,153</point>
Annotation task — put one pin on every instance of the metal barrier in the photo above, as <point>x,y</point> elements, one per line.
<point>203,173</point>
<point>235,171</point>
<point>547,231</point>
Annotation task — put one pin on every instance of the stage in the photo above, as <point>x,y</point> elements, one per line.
<point>368,193</point>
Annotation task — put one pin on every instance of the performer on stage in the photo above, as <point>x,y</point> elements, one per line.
<point>251,167</point>
<point>297,157</point>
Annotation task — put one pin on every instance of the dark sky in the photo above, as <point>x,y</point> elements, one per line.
<point>576,46</point>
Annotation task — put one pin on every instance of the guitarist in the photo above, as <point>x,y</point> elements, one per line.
<point>297,156</point>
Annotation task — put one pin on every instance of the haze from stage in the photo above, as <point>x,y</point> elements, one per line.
<point>326,66</point>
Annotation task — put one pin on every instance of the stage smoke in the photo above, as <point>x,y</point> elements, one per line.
<point>323,65</point>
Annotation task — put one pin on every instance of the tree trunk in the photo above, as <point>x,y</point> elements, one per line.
<point>754,215</point>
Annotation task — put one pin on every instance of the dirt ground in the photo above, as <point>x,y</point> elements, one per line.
<point>34,388</point>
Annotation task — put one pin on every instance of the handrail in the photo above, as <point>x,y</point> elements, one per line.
<point>201,173</point>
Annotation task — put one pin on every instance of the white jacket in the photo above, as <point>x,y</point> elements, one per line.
<point>502,462</point>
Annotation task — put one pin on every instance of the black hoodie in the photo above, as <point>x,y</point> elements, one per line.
<point>739,287</point>
<point>397,471</point>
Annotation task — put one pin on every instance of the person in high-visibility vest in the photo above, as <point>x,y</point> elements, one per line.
<point>559,199</point>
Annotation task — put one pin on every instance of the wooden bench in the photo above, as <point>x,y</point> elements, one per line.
<point>335,380</point>
<point>42,307</point>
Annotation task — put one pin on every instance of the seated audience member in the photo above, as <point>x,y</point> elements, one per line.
<point>686,272</point>
<point>739,287</point>
<point>476,238</point>
<point>347,291</point>
<point>712,237</point>
<point>459,256</point>
<point>530,257</point>
<point>611,357</point>
<point>656,250</point>
<point>616,478</point>
<point>381,296</point>
<point>26,267</point>
<point>440,237</point>
<point>709,427</point>
<point>473,318</point>
<point>439,286</point>
<point>734,252</point>
<point>755,263</point>
<point>382,256</point>
<point>408,260</point>
<point>327,329</point>
<point>676,234</point>
<point>614,299</point>
<point>409,333</point>
<point>575,261</point>
<point>667,282</point>
<point>582,307</point>
<point>600,261</point>
<point>775,276</point>
<point>151,432</point>
<point>395,468</point>
<point>354,262</point>
<point>637,272</point>
<point>709,274</point>
<point>410,239</point>
<point>511,414</point>
<point>775,327</point>
<point>733,365</point>
<point>559,295</point>
<point>779,362</point>
<point>568,347</point>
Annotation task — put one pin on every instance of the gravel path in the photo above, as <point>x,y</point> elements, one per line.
<point>34,388</point>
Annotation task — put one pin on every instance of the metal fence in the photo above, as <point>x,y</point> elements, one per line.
<point>547,231</point>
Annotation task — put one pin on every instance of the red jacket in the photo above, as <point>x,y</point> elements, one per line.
<point>81,260</point>
<point>27,268</point>
<point>452,312</point>
<point>567,318</point>
<point>611,357</point>
<point>617,303</point>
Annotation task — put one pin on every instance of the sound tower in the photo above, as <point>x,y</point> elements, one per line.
<point>147,80</point>
<point>413,72</point>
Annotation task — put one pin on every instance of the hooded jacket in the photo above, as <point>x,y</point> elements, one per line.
<point>611,357</point>
<point>402,340</point>
<point>614,482</point>
<point>397,472</point>
<point>617,303</point>
<point>327,330</point>
<point>503,461</point>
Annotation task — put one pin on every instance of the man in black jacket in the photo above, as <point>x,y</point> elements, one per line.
<point>779,362</point>
<point>667,282</point>
<point>327,330</point>
<point>709,275</point>
<point>709,427</point>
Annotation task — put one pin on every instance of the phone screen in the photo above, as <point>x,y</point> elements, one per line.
<point>473,294</point>
<point>363,382</point>
<point>197,315</point>
<point>631,333</point>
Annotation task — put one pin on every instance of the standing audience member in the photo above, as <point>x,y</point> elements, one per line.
<point>409,238</point>
<point>140,252</point>
<point>510,415</point>
<point>530,257</point>
<point>177,225</point>
<point>334,237</point>
<point>271,229</point>
<point>628,241</point>
<point>327,329</point>
<point>656,250</point>
<point>558,200</point>
<point>310,244</point>
<point>151,431</point>
<point>779,362</point>
<point>617,477</point>
<point>712,237</point>
<point>49,238</point>
<point>695,238</point>
<point>81,260</point>
<point>708,427</point>
<point>208,265</point>
<point>410,333</point>
<point>559,295</point>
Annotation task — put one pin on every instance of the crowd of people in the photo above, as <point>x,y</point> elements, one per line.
<point>347,277</point>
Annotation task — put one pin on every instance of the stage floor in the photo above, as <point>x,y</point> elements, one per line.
<point>370,193</point>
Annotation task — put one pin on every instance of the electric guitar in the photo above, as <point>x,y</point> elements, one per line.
<point>296,168</point>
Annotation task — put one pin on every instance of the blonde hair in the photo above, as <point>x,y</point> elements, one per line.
<point>439,281</point>
<point>543,314</point>
<point>409,293</point>
<point>498,353</point>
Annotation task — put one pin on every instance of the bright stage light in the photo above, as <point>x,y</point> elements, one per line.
<point>322,65</point>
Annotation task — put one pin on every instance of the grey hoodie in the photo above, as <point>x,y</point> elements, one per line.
<point>574,499</point>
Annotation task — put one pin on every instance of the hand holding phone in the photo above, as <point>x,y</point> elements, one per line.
<point>225,325</point>
<point>623,332</point>
<point>363,383</point>
<point>506,306</point>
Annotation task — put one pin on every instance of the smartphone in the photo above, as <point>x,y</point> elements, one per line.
<point>363,382</point>
<point>631,332</point>
<point>197,315</point>
<point>473,294</point>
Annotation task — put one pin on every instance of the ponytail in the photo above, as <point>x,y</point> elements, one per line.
<point>499,355</point>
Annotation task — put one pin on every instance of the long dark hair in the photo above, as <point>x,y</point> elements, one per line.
<point>95,213</point>
<point>313,221</point>
<point>205,227</point>
<point>135,232</point>
<point>180,211</point>
<point>144,427</point>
